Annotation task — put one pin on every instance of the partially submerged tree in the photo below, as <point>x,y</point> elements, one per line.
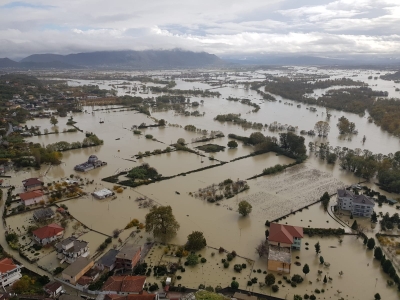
<point>161,222</point>
<point>262,249</point>
<point>244,208</point>
<point>196,241</point>
<point>232,144</point>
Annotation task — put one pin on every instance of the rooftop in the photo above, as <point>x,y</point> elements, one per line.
<point>108,259</point>
<point>52,286</point>
<point>48,231</point>
<point>127,284</point>
<point>30,195</point>
<point>31,181</point>
<point>77,266</point>
<point>7,265</point>
<point>144,296</point>
<point>279,254</point>
<point>128,251</point>
<point>345,193</point>
<point>103,193</point>
<point>43,213</point>
<point>77,244</point>
<point>284,233</point>
<point>363,199</point>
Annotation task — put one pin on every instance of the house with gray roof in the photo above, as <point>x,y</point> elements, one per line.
<point>107,261</point>
<point>43,214</point>
<point>71,248</point>
<point>358,205</point>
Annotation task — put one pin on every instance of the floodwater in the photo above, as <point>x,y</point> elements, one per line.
<point>271,196</point>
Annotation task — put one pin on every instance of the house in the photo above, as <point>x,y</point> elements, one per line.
<point>124,284</point>
<point>107,261</point>
<point>358,205</point>
<point>102,194</point>
<point>48,234</point>
<point>87,278</point>
<point>32,184</point>
<point>53,289</point>
<point>9,272</point>
<point>279,259</point>
<point>143,296</point>
<point>285,235</point>
<point>70,249</point>
<point>128,257</point>
<point>43,214</point>
<point>30,198</point>
<point>92,163</point>
<point>76,270</point>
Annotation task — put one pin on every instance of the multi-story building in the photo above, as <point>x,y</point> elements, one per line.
<point>9,272</point>
<point>128,257</point>
<point>358,205</point>
<point>72,248</point>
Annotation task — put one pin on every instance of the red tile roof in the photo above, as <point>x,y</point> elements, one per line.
<point>30,195</point>
<point>143,296</point>
<point>127,284</point>
<point>48,231</point>
<point>7,265</point>
<point>31,181</point>
<point>284,233</point>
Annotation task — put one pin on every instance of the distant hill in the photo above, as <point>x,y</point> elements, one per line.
<point>149,59</point>
<point>8,63</point>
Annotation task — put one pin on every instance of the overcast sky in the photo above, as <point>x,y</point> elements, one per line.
<point>221,27</point>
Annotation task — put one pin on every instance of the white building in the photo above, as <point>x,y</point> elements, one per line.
<point>358,205</point>
<point>71,248</point>
<point>102,194</point>
<point>9,272</point>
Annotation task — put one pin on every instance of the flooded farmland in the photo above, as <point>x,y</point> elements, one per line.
<point>271,196</point>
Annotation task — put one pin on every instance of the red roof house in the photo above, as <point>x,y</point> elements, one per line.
<point>285,235</point>
<point>9,271</point>
<point>124,284</point>
<point>32,184</point>
<point>48,234</point>
<point>30,198</point>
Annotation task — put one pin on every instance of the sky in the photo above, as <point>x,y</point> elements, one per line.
<point>226,28</point>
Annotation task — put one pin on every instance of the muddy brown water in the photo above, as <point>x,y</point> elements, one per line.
<point>271,196</point>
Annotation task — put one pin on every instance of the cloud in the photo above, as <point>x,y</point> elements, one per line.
<point>222,27</point>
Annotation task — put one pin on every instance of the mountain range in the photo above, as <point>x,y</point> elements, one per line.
<point>148,59</point>
<point>179,59</point>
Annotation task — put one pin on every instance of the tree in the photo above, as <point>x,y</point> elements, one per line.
<point>232,144</point>
<point>161,122</point>
<point>244,208</point>
<point>266,234</point>
<point>269,279</point>
<point>306,269</point>
<point>325,200</point>
<point>322,128</point>
<point>196,241</point>
<point>161,222</point>
<point>321,260</point>
<point>325,279</point>
<point>192,259</point>
<point>371,243</point>
<point>355,225</point>
<point>262,249</point>
<point>378,253</point>
<point>53,121</point>
<point>22,286</point>
<point>234,284</point>
<point>377,296</point>
<point>374,217</point>
<point>256,138</point>
<point>297,297</point>
<point>317,247</point>
<point>181,141</point>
